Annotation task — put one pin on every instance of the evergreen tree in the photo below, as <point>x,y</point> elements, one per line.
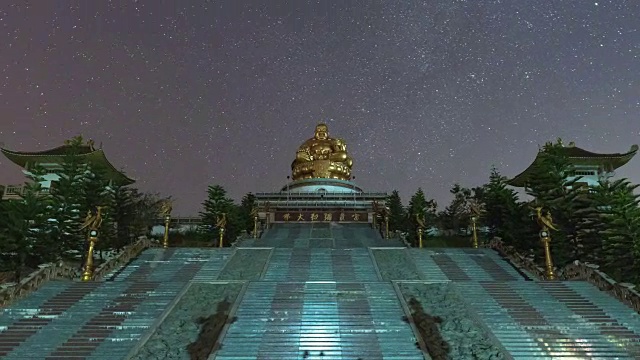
<point>553,189</point>
<point>99,192</point>
<point>215,205</point>
<point>620,255</point>
<point>247,205</point>
<point>504,216</point>
<point>69,200</point>
<point>456,216</point>
<point>124,213</point>
<point>423,208</point>
<point>397,214</point>
<point>26,228</point>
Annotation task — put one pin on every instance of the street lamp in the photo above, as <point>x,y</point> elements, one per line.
<point>475,233</point>
<point>87,274</point>
<point>165,240</point>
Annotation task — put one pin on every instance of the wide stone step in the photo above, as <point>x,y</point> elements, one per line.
<point>343,320</point>
<point>530,322</point>
<point>213,264</point>
<point>463,265</point>
<point>48,310</point>
<point>108,321</point>
<point>304,264</point>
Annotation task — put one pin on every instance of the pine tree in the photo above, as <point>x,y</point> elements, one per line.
<point>247,205</point>
<point>99,192</point>
<point>27,238</point>
<point>215,205</point>
<point>397,214</point>
<point>124,214</point>
<point>621,234</point>
<point>421,207</point>
<point>504,216</point>
<point>456,216</point>
<point>552,189</point>
<point>69,199</point>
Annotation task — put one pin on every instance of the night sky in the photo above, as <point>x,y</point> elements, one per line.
<point>186,94</point>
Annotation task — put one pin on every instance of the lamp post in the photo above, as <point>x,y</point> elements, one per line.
<point>87,273</point>
<point>546,224</point>
<point>386,225</point>
<point>220,242</point>
<point>420,237</point>
<point>545,237</point>
<point>475,233</point>
<point>165,239</point>
<point>255,226</point>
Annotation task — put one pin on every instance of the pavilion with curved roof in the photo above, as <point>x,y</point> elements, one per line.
<point>591,166</point>
<point>52,158</point>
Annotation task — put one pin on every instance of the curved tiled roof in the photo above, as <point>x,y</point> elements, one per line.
<point>579,156</point>
<point>55,155</point>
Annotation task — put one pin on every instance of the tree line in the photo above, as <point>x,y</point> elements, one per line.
<point>599,224</point>
<point>596,224</point>
<point>43,225</point>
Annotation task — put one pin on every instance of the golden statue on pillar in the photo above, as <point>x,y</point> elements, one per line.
<point>322,157</point>
<point>92,222</point>
<point>385,213</point>
<point>221,224</point>
<point>165,211</point>
<point>477,210</point>
<point>421,226</point>
<point>546,224</point>
<point>256,221</point>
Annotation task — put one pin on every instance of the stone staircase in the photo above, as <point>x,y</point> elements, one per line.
<point>317,293</point>
<point>101,320</point>
<point>549,320</point>
<point>319,320</point>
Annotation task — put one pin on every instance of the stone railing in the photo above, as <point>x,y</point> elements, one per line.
<point>589,272</point>
<point>577,270</point>
<point>518,260</point>
<point>124,256</point>
<point>52,271</point>
<point>13,291</point>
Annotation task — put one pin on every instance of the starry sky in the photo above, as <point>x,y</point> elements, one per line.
<point>184,94</point>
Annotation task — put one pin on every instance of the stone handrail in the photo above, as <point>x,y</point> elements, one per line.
<point>33,281</point>
<point>126,254</point>
<point>589,272</point>
<point>62,270</point>
<point>577,270</point>
<point>516,258</point>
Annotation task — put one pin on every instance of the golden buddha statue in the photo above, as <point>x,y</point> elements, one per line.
<point>322,157</point>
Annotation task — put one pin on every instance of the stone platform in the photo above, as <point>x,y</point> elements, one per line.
<point>323,292</point>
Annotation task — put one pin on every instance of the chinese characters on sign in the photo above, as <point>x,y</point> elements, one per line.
<point>320,216</point>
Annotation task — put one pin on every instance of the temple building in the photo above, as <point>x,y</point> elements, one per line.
<point>52,159</point>
<point>591,167</point>
<point>321,187</point>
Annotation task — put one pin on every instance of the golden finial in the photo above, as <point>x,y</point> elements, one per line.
<point>421,222</point>
<point>221,221</point>
<point>476,208</point>
<point>545,219</point>
<point>166,207</point>
<point>93,220</point>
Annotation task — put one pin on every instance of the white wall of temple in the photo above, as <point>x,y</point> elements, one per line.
<point>590,175</point>
<point>158,230</point>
